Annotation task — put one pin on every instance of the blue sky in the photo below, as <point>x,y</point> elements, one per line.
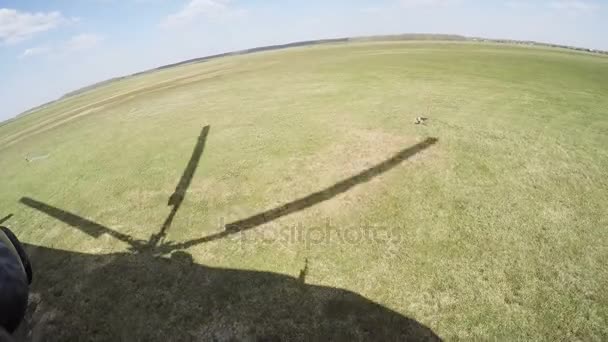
<point>50,47</point>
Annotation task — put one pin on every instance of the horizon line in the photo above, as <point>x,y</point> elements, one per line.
<point>293,44</point>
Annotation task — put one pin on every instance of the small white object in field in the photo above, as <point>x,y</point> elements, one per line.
<point>420,120</point>
<point>31,159</point>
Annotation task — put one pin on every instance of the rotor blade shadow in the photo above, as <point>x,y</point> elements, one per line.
<point>314,198</point>
<point>5,218</point>
<point>178,195</point>
<point>328,193</point>
<point>87,226</point>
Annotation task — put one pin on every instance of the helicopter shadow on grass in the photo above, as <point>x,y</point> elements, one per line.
<point>144,295</point>
<point>135,297</point>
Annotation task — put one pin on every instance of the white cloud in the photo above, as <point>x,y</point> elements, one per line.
<point>197,9</point>
<point>82,41</point>
<point>41,50</point>
<point>77,43</point>
<point>428,3</point>
<point>575,6</point>
<point>16,26</point>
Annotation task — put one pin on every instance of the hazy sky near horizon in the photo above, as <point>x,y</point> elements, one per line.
<point>48,48</point>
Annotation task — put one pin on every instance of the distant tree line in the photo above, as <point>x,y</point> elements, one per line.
<point>530,42</point>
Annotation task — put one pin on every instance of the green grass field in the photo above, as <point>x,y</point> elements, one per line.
<point>312,207</point>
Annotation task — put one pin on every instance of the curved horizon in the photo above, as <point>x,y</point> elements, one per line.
<point>391,37</point>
